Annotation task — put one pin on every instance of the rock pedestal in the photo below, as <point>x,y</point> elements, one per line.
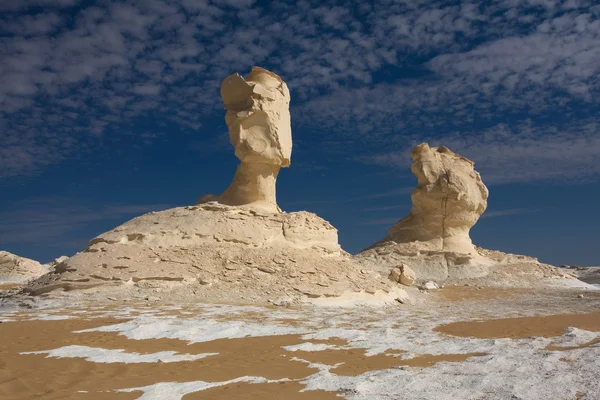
<point>258,118</point>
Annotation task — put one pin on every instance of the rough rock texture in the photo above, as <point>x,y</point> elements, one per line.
<point>232,247</point>
<point>215,252</point>
<point>433,240</point>
<point>447,202</point>
<point>403,274</point>
<point>15,269</point>
<point>57,261</point>
<point>586,274</point>
<point>408,276</point>
<point>258,119</point>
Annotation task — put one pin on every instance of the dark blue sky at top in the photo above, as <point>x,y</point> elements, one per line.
<point>112,109</point>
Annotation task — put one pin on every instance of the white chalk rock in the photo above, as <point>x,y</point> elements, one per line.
<point>434,238</point>
<point>258,118</point>
<point>447,202</point>
<point>430,286</point>
<point>15,269</point>
<point>395,274</point>
<point>408,276</point>
<point>232,246</point>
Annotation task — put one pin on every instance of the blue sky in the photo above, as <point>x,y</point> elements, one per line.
<point>109,109</point>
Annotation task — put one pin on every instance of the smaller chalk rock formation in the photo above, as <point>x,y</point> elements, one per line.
<point>258,119</point>
<point>434,238</point>
<point>15,269</point>
<point>447,202</point>
<point>236,247</point>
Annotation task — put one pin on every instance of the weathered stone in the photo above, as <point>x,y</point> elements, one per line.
<point>447,202</point>
<point>430,286</point>
<point>18,269</point>
<point>283,302</point>
<point>395,274</point>
<point>407,276</point>
<point>259,123</point>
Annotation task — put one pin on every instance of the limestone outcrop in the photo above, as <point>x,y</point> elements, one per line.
<point>238,246</point>
<point>433,240</point>
<point>15,269</point>
<point>214,252</point>
<point>259,123</point>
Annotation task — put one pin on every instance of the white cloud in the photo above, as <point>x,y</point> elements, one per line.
<point>46,220</point>
<point>523,154</point>
<point>108,65</point>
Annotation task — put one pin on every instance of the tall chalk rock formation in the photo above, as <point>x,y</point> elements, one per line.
<point>238,246</point>
<point>258,118</point>
<point>434,238</point>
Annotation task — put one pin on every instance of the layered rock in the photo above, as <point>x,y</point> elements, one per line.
<point>216,252</point>
<point>434,238</point>
<point>15,269</point>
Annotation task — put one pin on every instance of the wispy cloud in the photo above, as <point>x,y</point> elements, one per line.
<point>373,196</point>
<point>523,154</point>
<point>75,72</point>
<point>55,220</point>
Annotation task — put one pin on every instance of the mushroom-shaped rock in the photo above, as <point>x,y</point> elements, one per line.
<point>434,238</point>
<point>448,200</point>
<point>259,123</point>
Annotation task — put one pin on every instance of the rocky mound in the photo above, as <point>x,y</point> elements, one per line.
<point>231,247</point>
<point>586,274</point>
<point>433,240</point>
<point>15,269</point>
<point>220,253</point>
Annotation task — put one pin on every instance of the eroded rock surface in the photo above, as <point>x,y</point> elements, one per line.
<point>15,269</point>
<point>447,202</point>
<point>259,123</point>
<point>433,240</point>
<point>215,252</point>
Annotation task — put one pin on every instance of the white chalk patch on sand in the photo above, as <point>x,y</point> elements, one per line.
<point>193,330</point>
<point>99,355</point>
<point>513,372</point>
<point>575,284</point>
<point>49,317</point>
<point>176,390</point>
<point>512,368</point>
<point>350,299</point>
<point>311,347</point>
<point>575,337</point>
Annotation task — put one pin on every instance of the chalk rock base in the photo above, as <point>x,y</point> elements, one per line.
<point>219,253</point>
<point>487,267</point>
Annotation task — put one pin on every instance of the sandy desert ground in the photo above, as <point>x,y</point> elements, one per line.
<point>455,343</point>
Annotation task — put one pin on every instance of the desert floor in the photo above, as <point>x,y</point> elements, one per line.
<point>455,343</point>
